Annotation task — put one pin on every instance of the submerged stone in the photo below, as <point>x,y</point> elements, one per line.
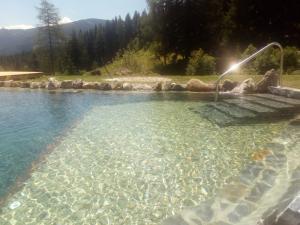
<point>175,220</point>
<point>258,191</point>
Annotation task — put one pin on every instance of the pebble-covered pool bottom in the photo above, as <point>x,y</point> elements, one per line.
<point>134,164</point>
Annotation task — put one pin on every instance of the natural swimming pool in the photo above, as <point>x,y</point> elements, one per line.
<point>114,158</point>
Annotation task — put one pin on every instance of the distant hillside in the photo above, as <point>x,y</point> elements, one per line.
<point>17,41</point>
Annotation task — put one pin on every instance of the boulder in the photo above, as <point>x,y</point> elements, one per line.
<point>157,86</point>
<point>127,87</point>
<point>166,86</point>
<point>77,84</point>
<point>246,87</point>
<point>43,84</point>
<point>271,78</point>
<point>66,84</point>
<point>104,87</point>
<point>199,86</point>
<point>53,84</point>
<point>295,121</point>
<point>117,85</point>
<point>229,85</point>
<point>15,84</point>
<point>7,83</point>
<point>35,85</point>
<point>96,72</point>
<point>142,87</point>
<point>90,85</point>
<point>25,84</point>
<point>178,87</point>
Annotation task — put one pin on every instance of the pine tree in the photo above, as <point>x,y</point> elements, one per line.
<point>49,31</point>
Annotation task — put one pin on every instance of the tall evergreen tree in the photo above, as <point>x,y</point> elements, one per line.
<point>49,31</point>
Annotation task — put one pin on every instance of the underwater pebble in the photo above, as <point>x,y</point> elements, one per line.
<point>15,205</point>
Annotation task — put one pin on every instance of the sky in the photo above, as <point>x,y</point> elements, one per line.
<point>21,14</point>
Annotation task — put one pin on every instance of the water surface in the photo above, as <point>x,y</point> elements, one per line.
<point>122,158</point>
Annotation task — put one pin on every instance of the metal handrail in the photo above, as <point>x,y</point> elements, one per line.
<point>235,66</point>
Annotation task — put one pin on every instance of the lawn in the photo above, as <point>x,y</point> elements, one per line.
<point>287,80</point>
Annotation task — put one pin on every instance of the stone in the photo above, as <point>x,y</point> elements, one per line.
<point>195,85</point>
<point>104,87</point>
<point>96,72</point>
<point>166,86</point>
<point>142,87</point>
<point>285,91</point>
<point>77,84</point>
<point>35,85</point>
<point>251,172</point>
<point>43,84</point>
<point>258,191</point>
<point>295,121</point>
<point>90,85</point>
<point>269,176</point>
<point>15,205</point>
<point>296,174</point>
<point>53,84</point>
<point>66,84</point>
<point>277,160</point>
<point>174,220</point>
<point>219,223</point>
<point>246,87</point>
<point>270,79</point>
<point>244,209</point>
<point>7,83</point>
<point>15,84</point>
<point>229,85</point>
<point>157,86</point>
<point>127,87</point>
<point>234,217</point>
<point>177,87</point>
<point>117,85</point>
<point>204,211</point>
<point>25,84</point>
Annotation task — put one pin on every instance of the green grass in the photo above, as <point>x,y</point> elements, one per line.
<point>287,80</point>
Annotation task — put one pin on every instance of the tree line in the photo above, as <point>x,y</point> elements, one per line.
<point>221,28</point>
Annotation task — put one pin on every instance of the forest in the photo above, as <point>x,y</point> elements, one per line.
<point>185,36</point>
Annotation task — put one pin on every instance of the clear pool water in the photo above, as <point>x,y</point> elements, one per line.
<point>113,158</point>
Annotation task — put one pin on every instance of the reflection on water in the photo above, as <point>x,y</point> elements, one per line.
<point>130,159</point>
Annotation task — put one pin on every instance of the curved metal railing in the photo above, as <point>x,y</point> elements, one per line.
<point>235,66</point>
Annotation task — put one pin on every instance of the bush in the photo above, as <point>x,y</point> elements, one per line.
<point>201,63</point>
<point>270,59</point>
<point>141,61</point>
<point>291,59</point>
<point>248,68</point>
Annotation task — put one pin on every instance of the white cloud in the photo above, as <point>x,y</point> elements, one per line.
<point>20,26</point>
<point>65,20</point>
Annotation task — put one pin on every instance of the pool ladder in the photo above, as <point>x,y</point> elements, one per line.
<point>235,66</point>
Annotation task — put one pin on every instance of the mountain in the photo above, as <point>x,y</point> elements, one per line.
<point>17,41</point>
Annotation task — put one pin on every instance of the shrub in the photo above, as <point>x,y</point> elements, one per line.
<point>248,68</point>
<point>291,59</point>
<point>270,59</point>
<point>201,63</point>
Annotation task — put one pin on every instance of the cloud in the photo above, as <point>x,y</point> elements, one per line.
<point>65,20</point>
<point>20,26</point>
